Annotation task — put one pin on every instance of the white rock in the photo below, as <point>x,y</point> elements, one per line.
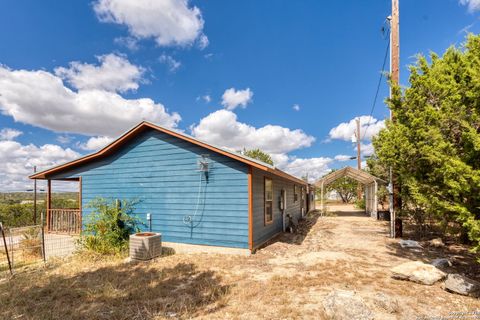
<point>346,305</point>
<point>418,272</point>
<point>410,244</point>
<point>462,285</point>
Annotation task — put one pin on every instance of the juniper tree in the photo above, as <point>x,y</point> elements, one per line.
<point>434,141</point>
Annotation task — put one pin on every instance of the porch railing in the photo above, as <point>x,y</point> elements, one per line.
<point>66,221</point>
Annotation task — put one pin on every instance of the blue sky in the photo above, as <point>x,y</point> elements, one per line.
<point>279,75</point>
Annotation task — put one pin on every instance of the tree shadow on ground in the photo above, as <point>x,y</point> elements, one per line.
<point>350,214</point>
<point>126,291</point>
<point>463,261</point>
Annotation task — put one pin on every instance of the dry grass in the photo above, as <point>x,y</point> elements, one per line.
<point>286,280</point>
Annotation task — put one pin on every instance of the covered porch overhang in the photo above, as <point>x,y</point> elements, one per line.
<point>369,181</point>
<point>63,220</point>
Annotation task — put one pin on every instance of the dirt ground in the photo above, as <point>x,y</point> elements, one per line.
<point>287,279</point>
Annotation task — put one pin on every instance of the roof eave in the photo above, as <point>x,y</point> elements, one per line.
<point>44,174</point>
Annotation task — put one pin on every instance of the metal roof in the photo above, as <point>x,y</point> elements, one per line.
<point>111,147</point>
<point>358,175</point>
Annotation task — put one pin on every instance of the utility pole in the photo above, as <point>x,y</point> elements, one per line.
<point>395,201</point>
<point>34,197</point>
<point>359,157</point>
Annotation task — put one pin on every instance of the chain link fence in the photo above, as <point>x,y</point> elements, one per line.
<point>30,246</point>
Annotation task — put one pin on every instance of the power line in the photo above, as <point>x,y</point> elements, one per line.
<point>378,85</point>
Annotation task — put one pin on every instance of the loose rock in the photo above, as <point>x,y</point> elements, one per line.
<point>386,302</point>
<point>457,283</point>
<point>410,244</point>
<point>441,263</point>
<point>346,305</point>
<point>437,243</point>
<point>418,272</point>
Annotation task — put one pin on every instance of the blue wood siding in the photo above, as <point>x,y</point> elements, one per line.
<point>161,172</point>
<point>261,231</point>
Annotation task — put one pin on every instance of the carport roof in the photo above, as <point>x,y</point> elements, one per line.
<point>358,175</point>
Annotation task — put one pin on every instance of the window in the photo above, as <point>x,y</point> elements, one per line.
<point>303,195</point>
<point>295,193</point>
<point>268,196</point>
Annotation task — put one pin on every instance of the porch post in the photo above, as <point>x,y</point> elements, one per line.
<point>49,203</point>
<point>80,215</point>
<point>375,199</point>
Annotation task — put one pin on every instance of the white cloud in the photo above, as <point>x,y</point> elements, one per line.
<point>115,73</point>
<point>222,128</point>
<point>128,42</point>
<point>203,42</point>
<point>9,134</point>
<point>232,98</point>
<point>280,160</point>
<point>205,98</point>
<point>169,22</point>
<point>170,62</point>
<point>17,161</point>
<point>95,143</point>
<point>208,56</point>
<point>296,107</point>
<point>64,139</point>
<point>315,168</point>
<point>342,157</point>
<point>363,165</point>
<point>473,5</point>
<point>346,130</point>
<point>466,29</point>
<point>40,98</point>
<point>366,149</point>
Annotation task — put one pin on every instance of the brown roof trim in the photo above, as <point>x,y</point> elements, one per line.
<point>146,125</point>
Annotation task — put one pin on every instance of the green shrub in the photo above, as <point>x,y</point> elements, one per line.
<point>108,226</point>
<point>17,215</point>
<point>360,204</point>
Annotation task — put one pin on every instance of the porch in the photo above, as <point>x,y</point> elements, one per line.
<point>63,221</point>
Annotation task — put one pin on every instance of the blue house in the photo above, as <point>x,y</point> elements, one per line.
<point>190,191</point>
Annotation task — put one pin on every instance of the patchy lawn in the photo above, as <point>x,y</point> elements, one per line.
<point>286,280</point>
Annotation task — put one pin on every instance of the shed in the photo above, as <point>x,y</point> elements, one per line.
<point>196,193</point>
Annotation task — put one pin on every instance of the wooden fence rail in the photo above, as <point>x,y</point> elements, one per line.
<point>66,221</point>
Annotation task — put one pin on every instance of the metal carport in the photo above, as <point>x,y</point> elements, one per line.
<point>369,181</point>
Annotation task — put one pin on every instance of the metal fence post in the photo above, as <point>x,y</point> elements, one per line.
<point>44,254</point>
<point>6,249</point>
